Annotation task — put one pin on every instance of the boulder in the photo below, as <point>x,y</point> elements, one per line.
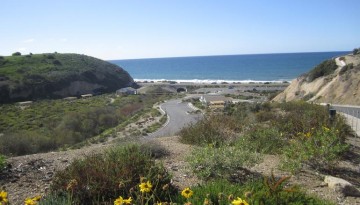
<point>342,186</point>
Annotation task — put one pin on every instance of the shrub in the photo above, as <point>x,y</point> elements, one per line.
<point>215,130</point>
<point>25,142</point>
<point>117,172</point>
<point>262,140</point>
<point>355,51</point>
<point>318,148</point>
<point>346,68</point>
<point>2,162</point>
<point>223,162</point>
<point>16,54</point>
<point>323,69</point>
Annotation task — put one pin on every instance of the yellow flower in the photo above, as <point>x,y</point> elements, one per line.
<point>128,201</point>
<point>308,135</point>
<point>36,198</point>
<point>187,193</point>
<point>239,201</point>
<point>3,197</point>
<point>30,201</point>
<point>145,187</point>
<point>119,201</point>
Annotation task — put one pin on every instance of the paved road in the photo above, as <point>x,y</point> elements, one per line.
<point>178,117</point>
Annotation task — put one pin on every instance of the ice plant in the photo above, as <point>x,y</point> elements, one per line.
<point>3,197</point>
<point>145,187</point>
<point>239,201</point>
<point>187,193</point>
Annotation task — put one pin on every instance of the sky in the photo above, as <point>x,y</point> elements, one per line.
<point>132,29</point>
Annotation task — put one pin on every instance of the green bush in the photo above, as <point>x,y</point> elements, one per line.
<point>223,162</point>
<point>2,162</point>
<point>318,148</point>
<point>355,51</point>
<point>25,142</point>
<point>16,54</point>
<point>105,177</point>
<point>346,68</point>
<point>262,140</point>
<point>323,69</point>
<point>216,130</point>
<point>263,128</point>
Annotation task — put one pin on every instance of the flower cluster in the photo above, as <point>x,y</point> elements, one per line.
<point>32,201</point>
<point>121,201</point>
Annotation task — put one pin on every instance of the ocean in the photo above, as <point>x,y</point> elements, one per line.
<point>229,68</point>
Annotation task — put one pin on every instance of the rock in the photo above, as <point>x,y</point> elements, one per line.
<point>342,186</point>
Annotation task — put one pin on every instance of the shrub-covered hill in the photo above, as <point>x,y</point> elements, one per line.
<point>54,75</point>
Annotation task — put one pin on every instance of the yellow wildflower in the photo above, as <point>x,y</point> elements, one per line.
<point>3,197</point>
<point>30,201</point>
<point>145,187</point>
<point>119,201</point>
<point>308,135</point>
<point>36,198</point>
<point>187,193</point>
<point>128,201</point>
<point>239,201</point>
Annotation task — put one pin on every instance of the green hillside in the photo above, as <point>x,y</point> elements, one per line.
<point>54,75</point>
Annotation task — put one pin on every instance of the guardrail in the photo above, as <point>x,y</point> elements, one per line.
<point>352,115</point>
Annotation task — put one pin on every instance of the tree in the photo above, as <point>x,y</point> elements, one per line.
<point>355,51</point>
<point>16,54</point>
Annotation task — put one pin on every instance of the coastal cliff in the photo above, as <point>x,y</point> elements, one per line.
<point>335,81</point>
<point>54,75</point>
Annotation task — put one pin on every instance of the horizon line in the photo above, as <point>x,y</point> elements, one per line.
<point>214,55</point>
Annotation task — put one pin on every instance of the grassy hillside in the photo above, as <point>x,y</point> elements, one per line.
<point>52,75</point>
<point>51,124</point>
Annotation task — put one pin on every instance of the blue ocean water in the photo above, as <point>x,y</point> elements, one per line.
<point>231,68</point>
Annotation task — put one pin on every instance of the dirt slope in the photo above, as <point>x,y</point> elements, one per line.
<point>341,87</point>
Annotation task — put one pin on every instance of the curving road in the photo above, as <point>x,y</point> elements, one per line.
<point>178,117</point>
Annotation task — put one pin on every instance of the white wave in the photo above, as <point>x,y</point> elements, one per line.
<point>211,81</point>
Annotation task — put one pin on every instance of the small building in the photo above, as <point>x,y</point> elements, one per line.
<point>126,91</point>
<point>215,101</point>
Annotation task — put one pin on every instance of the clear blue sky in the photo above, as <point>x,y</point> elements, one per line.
<point>119,29</point>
